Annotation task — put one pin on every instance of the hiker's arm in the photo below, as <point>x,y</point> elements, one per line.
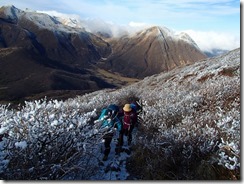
<point>118,124</point>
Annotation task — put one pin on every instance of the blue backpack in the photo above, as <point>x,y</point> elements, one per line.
<point>109,117</point>
<point>113,110</point>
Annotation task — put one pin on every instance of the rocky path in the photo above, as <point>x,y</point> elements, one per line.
<point>115,167</point>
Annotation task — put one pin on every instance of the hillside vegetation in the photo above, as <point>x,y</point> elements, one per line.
<point>189,128</point>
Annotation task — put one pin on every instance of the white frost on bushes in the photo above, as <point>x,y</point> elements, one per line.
<point>229,154</point>
<point>186,112</point>
<point>3,130</point>
<point>21,144</point>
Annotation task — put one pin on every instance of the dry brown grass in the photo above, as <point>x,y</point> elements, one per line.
<point>205,77</point>
<point>228,72</point>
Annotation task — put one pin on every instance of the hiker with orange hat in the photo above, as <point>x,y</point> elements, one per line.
<point>129,121</point>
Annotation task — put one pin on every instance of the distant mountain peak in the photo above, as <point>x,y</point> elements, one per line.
<point>184,36</point>
<point>155,30</point>
<point>40,19</point>
<point>11,8</point>
<point>164,32</point>
<point>10,13</point>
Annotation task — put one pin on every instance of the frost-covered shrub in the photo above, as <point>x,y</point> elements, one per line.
<point>42,137</point>
<point>194,121</point>
<point>229,153</point>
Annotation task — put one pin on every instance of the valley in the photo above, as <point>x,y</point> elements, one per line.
<point>39,56</point>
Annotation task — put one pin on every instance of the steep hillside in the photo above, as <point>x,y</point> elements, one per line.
<point>151,51</point>
<point>192,117</point>
<point>40,56</point>
<point>51,38</point>
<point>189,130</point>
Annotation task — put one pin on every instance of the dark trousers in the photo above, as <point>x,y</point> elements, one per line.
<point>107,141</point>
<point>126,132</point>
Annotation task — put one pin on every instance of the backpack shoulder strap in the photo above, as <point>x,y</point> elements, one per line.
<point>102,115</point>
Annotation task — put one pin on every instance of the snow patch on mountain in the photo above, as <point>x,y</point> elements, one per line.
<point>41,19</point>
<point>70,20</point>
<point>184,36</point>
<point>12,13</point>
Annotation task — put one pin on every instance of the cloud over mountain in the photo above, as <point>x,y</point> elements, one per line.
<point>210,40</point>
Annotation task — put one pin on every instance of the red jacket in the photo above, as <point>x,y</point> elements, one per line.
<point>130,118</point>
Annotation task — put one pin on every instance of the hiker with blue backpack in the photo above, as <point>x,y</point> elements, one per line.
<point>112,120</point>
<point>110,123</point>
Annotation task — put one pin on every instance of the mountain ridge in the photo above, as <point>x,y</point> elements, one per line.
<point>76,55</point>
<point>150,51</point>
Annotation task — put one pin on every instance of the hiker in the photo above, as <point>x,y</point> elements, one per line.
<point>129,121</point>
<point>110,124</point>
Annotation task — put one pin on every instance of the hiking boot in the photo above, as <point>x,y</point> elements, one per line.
<point>105,157</point>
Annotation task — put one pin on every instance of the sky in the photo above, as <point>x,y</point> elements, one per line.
<point>211,23</point>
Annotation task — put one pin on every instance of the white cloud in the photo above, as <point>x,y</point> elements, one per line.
<point>58,14</point>
<point>137,24</point>
<point>207,41</point>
